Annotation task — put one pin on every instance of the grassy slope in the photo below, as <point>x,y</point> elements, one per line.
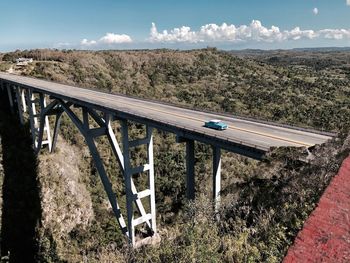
<point>263,205</point>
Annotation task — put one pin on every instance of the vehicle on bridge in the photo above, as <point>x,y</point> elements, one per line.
<point>216,124</point>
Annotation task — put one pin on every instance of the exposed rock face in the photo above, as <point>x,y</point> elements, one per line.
<point>69,231</point>
<point>66,202</point>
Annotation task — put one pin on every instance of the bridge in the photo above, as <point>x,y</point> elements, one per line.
<point>94,114</point>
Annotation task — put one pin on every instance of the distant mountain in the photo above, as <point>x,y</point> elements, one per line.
<point>313,49</point>
<point>304,52</point>
<point>323,49</point>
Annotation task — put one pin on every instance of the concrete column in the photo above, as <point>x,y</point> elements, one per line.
<point>151,183</point>
<point>98,163</point>
<point>24,103</point>
<point>19,105</point>
<point>190,181</point>
<point>128,182</point>
<point>9,93</point>
<point>31,116</point>
<point>56,130</point>
<point>216,176</point>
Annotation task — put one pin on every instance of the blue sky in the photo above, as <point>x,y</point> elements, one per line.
<point>189,24</point>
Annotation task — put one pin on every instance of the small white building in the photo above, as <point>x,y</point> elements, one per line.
<point>23,61</point>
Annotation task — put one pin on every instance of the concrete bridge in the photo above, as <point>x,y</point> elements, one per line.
<point>43,100</point>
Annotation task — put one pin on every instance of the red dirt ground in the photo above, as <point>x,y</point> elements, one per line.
<point>325,236</point>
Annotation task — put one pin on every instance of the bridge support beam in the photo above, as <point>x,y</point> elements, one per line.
<point>39,121</point>
<point>20,106</point>
<point>132,195</point>
<point>216,177</point>
<point>56,130</point>
<point>190,176</point>
<point>10,96</point>
<point>84,128</point>
<point>23,97</point>
<point>190,164</point>
<point>190,161</point>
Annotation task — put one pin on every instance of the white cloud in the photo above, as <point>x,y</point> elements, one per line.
<point>108,39</point>
<point>347,2</point>
<point>86,42</point>
<point>111,38</point>
<point>255,31</point>
<point>297,33</point>
<point>315,10</point>
<point>336,34</point>
<point>182,34</point>
<point>215,34</point>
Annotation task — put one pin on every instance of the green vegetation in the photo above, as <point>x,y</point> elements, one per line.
<point>264,203</point>
<point>318,84</point>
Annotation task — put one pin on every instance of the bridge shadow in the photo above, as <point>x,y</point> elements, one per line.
<point>21,209</point>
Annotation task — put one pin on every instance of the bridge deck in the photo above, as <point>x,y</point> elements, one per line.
<point>248,137</point>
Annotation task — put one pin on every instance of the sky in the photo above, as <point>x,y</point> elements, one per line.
<point>180,24</point>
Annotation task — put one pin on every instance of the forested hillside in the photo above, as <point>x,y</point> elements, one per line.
<point>264,203</point>
<point>267,86</point>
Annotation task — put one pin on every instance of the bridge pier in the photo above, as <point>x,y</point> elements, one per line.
<point>132,195</point>
<point>190,171</point>
<point>57,125</point>
<point>10,96</point>
<point>216,177</point>
<point>89,136</point>
<point>190,177</point>
<point>20,106</point>
<point>39,121</point>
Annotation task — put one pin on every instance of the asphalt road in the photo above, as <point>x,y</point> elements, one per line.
<point>246,132</point>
